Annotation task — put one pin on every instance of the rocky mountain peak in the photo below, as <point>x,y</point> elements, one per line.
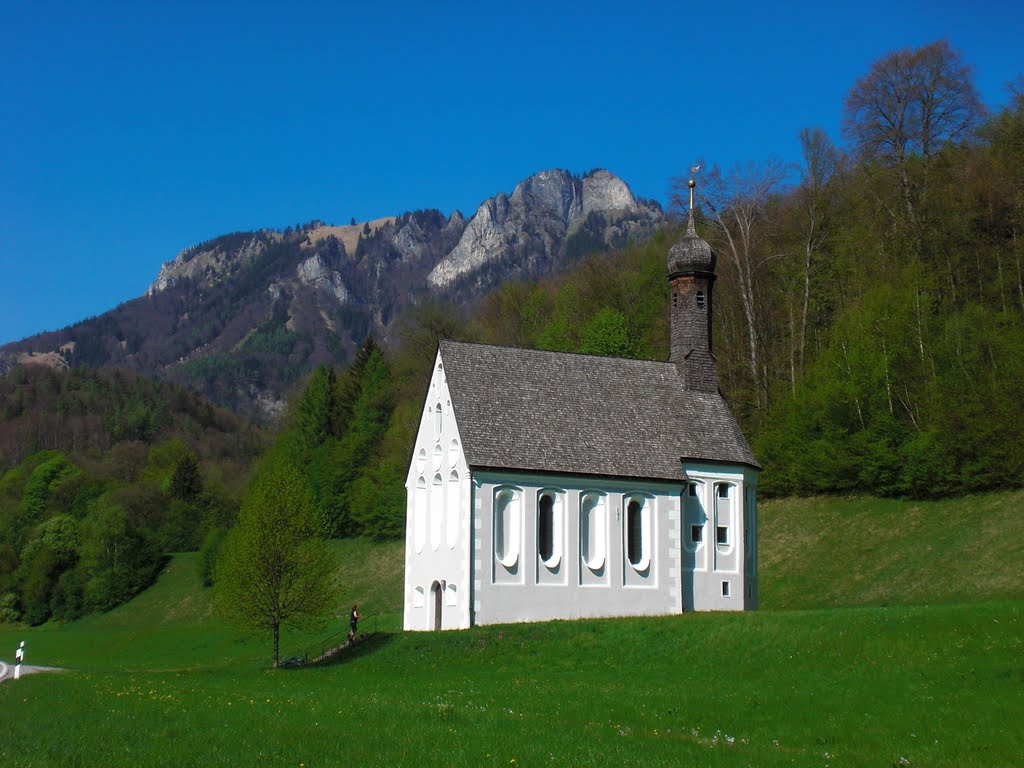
<point>207,263</point>
<point>604,191</point>
<point>531,228</point>
<point>550,193</point>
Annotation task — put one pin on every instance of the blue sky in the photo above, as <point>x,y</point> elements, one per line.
<point>129,131</point>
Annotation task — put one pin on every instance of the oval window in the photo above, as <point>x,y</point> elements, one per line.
<point>592,531</point>
<point>546,528</point>
<point>506,527</point>
<point>638,533</point>
<point>550,523</point>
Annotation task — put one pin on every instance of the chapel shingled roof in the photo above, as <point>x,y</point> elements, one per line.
<point>530,409</point>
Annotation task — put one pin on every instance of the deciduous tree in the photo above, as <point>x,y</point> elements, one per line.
<point>276,568</point>
<point>912,102</point>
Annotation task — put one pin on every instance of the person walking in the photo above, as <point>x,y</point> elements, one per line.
<point>19,656</point>
<point>353,620</point>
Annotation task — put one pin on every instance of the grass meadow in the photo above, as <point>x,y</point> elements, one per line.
<point>879,643</point>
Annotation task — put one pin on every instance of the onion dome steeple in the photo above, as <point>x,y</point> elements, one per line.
<point>692,253</point>
<point>691,275</point>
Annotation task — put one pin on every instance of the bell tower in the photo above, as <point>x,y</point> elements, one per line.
<point>691,275</point>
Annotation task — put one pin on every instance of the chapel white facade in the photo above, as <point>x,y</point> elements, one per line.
<point>546,485</point>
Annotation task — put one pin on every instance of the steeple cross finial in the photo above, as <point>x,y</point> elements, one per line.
<point>692,184</point>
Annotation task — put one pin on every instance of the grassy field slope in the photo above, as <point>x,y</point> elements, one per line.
<point>160,682</point>
<point>825,552</point>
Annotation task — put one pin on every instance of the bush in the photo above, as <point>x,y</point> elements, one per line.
<point>9,612</point>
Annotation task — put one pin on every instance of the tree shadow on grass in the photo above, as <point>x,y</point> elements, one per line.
<point>362,646</point>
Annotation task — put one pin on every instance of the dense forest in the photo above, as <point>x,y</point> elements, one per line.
<point>105,471</point>
<point>868,327</point>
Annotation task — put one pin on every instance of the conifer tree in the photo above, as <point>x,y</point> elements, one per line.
<point>186,482</point>
<point>313,415</point>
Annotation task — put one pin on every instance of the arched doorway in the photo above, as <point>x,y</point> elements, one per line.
<point>436,596</point>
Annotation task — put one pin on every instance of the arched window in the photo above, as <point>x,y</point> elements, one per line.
<point>453,510</point>
<point>438,457</point>
<point>421,460</point>
<point>593,530</point>
<point>453,453</point>
<point>437,422</point>
<point>550,517</point>
<point>638,532</point>
<point>436,511</point>
<point>634,533</point>
<point>419,514</point>
<point>506,526</point>
<point>546,527</point>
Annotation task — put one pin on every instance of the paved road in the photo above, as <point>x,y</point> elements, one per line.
<point>7,670</point>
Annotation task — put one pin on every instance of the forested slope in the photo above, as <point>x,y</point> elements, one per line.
<point>101,473</point>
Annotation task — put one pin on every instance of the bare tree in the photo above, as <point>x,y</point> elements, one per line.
<point>912,102</point>
<point>821,161</point>
<point>738,205</point>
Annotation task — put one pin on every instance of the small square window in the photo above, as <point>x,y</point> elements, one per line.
<point>722,535</point>
<point>696,533</point>
<point>725,589</point>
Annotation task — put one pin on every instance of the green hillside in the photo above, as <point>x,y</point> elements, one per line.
<point>171,626</point>
<point>160,681</point>
<point>833,551</point>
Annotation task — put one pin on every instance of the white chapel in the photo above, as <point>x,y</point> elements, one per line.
<point>548,485</point>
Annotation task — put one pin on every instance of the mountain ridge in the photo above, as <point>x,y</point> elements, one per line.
<point>241,317</point>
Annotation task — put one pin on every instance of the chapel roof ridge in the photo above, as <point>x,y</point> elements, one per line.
<point>537,350</point>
